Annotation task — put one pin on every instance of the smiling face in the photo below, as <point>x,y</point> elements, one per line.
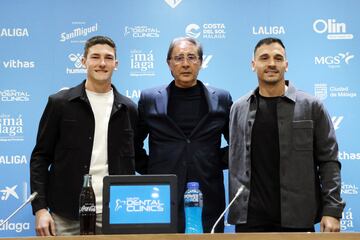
<point>270,64</point>
<point>100,63</point>
<point>184,64</point>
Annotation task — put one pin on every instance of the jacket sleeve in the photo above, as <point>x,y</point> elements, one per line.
<point>326,157</point>
<point>43,154</point>
<point>142,131</point>
<point>225,150</point>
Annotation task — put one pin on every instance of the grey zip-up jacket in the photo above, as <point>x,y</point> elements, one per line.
<point>310,180</point>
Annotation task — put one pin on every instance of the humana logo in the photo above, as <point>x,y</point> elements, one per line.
<point>76,59</point>
<point>334,30</point>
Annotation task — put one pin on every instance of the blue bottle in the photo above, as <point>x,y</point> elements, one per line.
<point>193,203</point>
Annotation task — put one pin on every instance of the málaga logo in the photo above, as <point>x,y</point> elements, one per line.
<point>173,3</point>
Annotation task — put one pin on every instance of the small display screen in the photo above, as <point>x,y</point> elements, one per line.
<point>139,204</point>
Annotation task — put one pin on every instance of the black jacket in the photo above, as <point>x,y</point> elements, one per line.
<point>64,145</point>
<point>169,148</point>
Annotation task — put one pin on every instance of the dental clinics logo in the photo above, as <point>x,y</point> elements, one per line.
<point>346,222</point>
<point>173,3</point>
<point>335,61</point>
<point>137,204</point>
<point>11,128</point>
<point>333,29</point>
<point>141,63</point>
<point>322,91</point>
<point>79,32</point>
<point>14,32</point>
<point>349,189</point>
<point>141,32</point>
<point>13,95</point>
<point>207,30</point>
<point>268,30</point>
<point>77,66</point>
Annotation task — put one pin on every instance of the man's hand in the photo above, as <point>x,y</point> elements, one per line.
<point>44,225</point>
<point>329,224</point>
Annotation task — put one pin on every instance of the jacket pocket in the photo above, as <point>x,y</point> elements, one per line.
<point>70,134</point>
<point>127,143</point>
<point>303,134</point>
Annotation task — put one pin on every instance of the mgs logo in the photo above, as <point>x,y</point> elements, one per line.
<point>173,3</point>
<point>334,61</point>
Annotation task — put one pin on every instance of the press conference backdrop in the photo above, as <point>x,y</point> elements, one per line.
<point>41,44</point>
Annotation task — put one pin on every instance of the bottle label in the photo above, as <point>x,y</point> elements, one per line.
<point>87,209</point>
<point>191,197</point>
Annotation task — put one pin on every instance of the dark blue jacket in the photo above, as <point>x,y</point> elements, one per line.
<point>169,147</point>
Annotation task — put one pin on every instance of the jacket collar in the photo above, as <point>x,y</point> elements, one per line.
<point>78,92</point>
<point>162,97</point>
<point>289,94</point>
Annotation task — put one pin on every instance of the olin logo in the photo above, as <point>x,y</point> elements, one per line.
<point>336,120</point>
<point>334,29</point>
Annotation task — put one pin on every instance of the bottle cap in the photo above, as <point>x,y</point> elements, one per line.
<point>193,185</point>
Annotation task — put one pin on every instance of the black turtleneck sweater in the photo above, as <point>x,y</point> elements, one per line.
<point>187,106</point>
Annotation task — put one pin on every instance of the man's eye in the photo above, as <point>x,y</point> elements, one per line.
<point>178,58</point>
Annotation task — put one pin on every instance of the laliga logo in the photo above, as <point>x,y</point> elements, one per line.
<point>76,58</point>
<point>336,121</point>
<point>7,192</point>
<point>192,30</point>
<point>173,3</point>
<point>206,60</point>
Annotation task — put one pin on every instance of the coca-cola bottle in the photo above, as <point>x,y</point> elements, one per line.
<point>87,208</point>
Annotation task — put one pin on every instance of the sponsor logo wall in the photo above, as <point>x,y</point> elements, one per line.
<point>41,53</point>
